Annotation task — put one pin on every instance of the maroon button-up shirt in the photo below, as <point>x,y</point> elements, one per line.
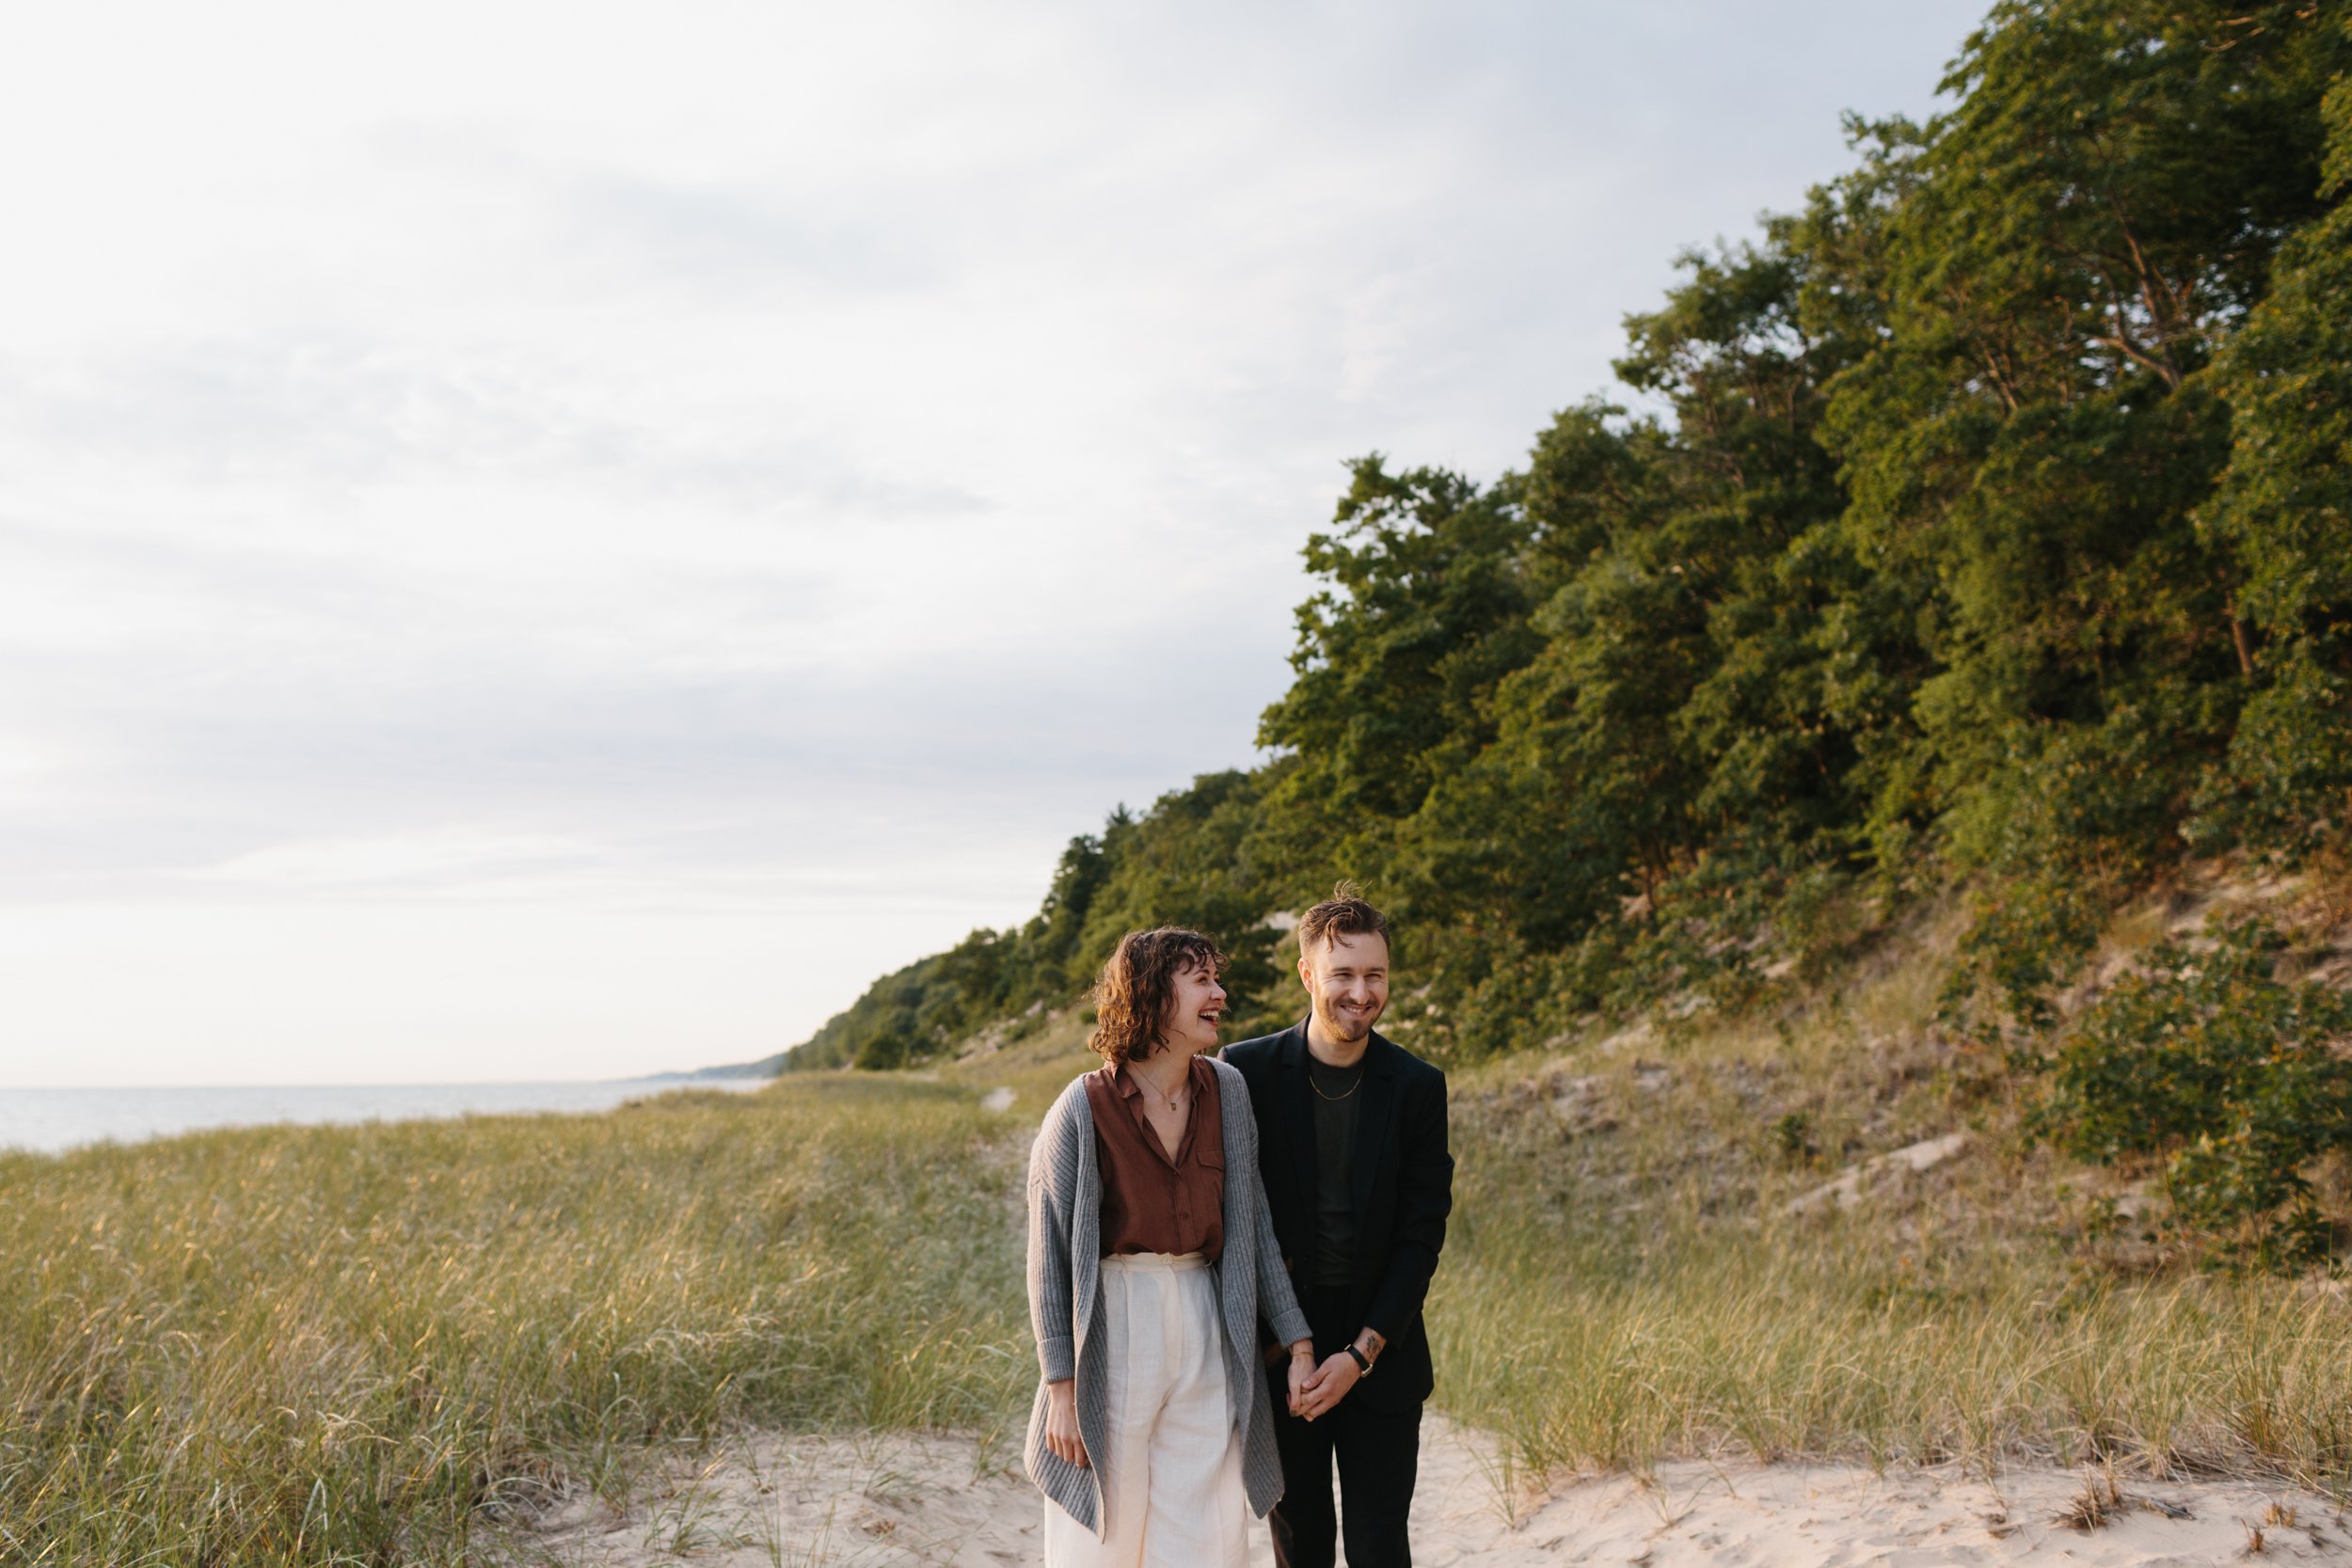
<point>1152,1203</point>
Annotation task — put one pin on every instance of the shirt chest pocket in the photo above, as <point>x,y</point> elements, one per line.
<point>1200,1194</point>
<point>1205,1173</point>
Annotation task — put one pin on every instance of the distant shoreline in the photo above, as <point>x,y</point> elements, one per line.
<point>54,1120</point>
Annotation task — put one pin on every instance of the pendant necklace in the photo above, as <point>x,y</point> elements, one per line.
<point>1172,1100</point>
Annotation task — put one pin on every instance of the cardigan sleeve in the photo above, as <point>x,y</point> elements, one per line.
<point>1053,1174</point>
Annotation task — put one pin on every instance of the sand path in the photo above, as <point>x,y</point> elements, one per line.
<point>894,1502</point>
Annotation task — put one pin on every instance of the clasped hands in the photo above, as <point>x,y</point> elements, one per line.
<point>1313,1392</point>
<point>1314,1389</point>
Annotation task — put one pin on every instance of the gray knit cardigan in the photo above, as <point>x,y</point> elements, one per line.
<point>1066,1295</point>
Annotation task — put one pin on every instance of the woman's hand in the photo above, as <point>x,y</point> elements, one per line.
<point>1302,1373</point>
<point>1061,1422</point>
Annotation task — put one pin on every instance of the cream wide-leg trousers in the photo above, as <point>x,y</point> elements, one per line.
<point>1174,1496</point>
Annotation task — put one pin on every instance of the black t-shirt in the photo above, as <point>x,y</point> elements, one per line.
<point>1336,1103</point>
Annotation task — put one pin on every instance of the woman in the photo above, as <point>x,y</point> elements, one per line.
<point>1151,1257</point>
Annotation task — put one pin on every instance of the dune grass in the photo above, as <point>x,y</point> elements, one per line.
<point>1608,1345</point>
<point>368,1345</point>
<point>334,1345</point>
<point>1623,1280</point>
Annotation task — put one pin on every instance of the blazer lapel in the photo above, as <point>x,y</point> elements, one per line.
<point>1299,1120</point>
<point>1371,1126</point>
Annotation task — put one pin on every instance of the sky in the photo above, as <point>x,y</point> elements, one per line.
<point>549,541</point>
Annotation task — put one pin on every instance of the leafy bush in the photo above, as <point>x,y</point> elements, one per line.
<point>2287,781</point>
<point>2027,937</point>
<point>2236,1080</point>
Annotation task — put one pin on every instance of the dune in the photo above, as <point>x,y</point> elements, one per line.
<point>949,1502</point>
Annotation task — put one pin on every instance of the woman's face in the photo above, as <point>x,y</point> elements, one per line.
<point>1189,1026</point>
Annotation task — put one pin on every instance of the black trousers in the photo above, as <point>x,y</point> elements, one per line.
<point>1377,1453</point>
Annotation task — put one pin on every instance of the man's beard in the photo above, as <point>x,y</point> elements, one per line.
<point>1340,1027</point>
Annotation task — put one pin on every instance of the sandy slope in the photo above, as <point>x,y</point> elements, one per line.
<point>879,1502</point>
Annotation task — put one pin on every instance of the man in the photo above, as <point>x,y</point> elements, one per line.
<point>1352,1143</point>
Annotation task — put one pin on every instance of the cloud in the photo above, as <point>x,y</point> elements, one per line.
<point>444,858</point>
<point>335,412</point>
<point>709,504</point>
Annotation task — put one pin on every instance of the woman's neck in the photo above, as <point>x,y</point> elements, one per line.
<point>1162,1069</point>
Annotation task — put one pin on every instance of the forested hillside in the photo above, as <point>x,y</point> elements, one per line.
<point>1985,521</point>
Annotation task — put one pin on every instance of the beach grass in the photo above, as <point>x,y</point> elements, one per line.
<point>328,1345</point>
<point>1643,1264</point>
<point>378,1344</point>
<point>1588,1346</point>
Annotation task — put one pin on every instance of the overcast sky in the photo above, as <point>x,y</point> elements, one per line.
<point>557,541</point>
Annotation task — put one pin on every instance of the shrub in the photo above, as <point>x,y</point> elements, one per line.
<point>2235,1079</point>
<point>2027,937</point>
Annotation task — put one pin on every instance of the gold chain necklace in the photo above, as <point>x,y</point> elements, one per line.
<point>1351,1089</point>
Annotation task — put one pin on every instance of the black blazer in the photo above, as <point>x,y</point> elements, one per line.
<point>1404,1191</point>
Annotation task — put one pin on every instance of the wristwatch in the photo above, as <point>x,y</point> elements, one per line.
<point>1363,1362</point>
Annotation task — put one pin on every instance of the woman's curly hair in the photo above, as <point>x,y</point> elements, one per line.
<point>1138,980</point>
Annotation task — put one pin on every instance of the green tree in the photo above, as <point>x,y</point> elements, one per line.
<point>1187,861</point>
<point>2034,431</point>
<point>2282,516</point>
<point>1425,609</point>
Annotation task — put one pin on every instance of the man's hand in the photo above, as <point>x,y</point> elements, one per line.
<point>1328,1385</point>
<point>1061,1422</point>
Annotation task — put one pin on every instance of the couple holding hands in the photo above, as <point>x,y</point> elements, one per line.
<point>1226,1261</point>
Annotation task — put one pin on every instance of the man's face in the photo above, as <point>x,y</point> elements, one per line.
<point>1347,980</point>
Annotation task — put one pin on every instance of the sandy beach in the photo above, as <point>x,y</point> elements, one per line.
<point>883,1502</point>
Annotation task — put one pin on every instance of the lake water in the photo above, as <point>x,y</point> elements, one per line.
<point>52,1120</point>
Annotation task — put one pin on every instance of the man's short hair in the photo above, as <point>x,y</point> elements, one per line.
<point>1342,915</point>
